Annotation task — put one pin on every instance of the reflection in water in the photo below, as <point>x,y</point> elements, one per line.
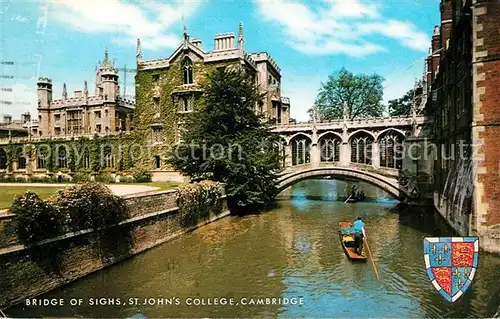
<point>291,251</point>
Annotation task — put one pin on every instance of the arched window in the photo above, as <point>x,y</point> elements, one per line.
<point>40,159</point>
<point>187,67</point>
<point>62,157</point>
<point>301,150</point>
<point>391,150</point>
<point>86,159</point>
<point>109,159</point>
<point>361,149</point>
<point>3,159</point>
<point>330,148</point>
<point>21,159</point>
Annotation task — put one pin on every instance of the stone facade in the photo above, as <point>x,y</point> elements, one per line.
<point>102,113</point>
<point>168,88</point>
<point>463,72</point>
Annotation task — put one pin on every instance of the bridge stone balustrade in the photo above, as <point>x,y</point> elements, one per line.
<point>370,163</point>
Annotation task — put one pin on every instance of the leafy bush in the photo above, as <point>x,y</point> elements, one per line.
<point>21,179</point>
<point>91,205</point>
<point>35,219</point>
<point>196,200</point>
<point>81,177</point>
<point>127,179</point>
<point>8,179</point>
<point>105,178</point>
<point>142,175</point>
<point>40,179</point>
<point>65,179</point>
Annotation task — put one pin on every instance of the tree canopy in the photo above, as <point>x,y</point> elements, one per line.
<point>401,106</point>
<point>225,141</point>
<point>361,93</point>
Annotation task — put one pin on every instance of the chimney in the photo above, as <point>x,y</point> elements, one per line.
<point>446,9</point>
<point>196,43</point>
<point>78,93</point>
<point>224,41</point>
<point>428,69</point>
<point>436,53</point>
<point>7,119</point>
<point>26,117</point>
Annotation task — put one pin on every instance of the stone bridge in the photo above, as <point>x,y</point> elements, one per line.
<point>382,178</point>
<point>372,150</point>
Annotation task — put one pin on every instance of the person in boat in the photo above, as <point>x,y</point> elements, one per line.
<point>359,233</point>
<point>361,195</point>
<point>353,191</point>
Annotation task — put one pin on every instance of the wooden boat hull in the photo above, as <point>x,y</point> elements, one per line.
<point>347,242</point>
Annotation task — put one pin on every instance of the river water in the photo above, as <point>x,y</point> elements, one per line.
<point>291,251</point>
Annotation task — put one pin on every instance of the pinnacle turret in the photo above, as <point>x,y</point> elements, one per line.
<point>241,39</point>
<point>65,92</point>
<point>139,51</point>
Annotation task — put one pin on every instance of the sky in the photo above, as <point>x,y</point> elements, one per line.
<point>64,40</point>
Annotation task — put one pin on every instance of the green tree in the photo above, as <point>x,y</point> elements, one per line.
<point>402,106</point>
<point>361,93</point>
<point>225,141</point>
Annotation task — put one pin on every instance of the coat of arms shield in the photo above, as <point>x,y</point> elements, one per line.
<point>451,263</point>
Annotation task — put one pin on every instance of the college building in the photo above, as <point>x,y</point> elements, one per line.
<point>460,91</point>
<point>166,90</point>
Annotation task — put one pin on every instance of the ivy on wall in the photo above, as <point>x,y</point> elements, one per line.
<point>84,155</point>
<point>170,80</point>
<point>196,200</point>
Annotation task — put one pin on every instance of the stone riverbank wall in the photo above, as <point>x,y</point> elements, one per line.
<point>27,272</point>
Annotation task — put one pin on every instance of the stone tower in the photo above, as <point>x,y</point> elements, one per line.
<point>44,92</point>
<point>107,80</point>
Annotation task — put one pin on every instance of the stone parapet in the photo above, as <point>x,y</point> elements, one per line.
<point>26,273</point>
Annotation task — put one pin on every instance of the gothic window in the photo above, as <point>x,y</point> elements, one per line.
<point>330,148</point>
<point>109,159</point>
<point>361,149</point>
<point>185,104</point>
<point>3,159</point>
<point>62,157</point>
<point>40,163</point>
<point>157,135</point>
<point>86,159</point>
<point>157,162</point>
<point>187,67</point>
<point>21,159</point>
<point>301,147</point>
<point>391,145</point>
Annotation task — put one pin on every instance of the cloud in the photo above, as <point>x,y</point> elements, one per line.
<point>399,30</point>
<point>338,27</point>
<point>19,18</point>
<point>150,21</point>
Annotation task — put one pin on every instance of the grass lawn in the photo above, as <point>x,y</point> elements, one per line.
<point>7,193</point>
